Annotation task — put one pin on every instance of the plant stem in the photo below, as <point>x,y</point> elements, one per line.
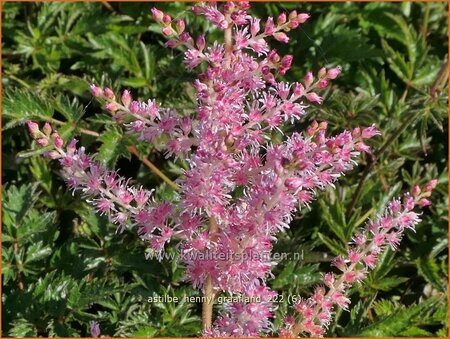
<point>440,81</point>
<point>207,307</point>
<point>82,130</point>
<point>228,41</point>
<point>19,265</point>
<point>153,168</point>
<point>208,293</point>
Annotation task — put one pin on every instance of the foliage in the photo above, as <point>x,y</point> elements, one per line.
<point>63,265</point>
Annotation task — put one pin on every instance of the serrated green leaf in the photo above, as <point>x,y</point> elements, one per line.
<point>22,328</point>
<point>398,322</point>
<point>145,332</point>
<point>114,146</point>
<point>429,269</point>
<point>335,246</point>
<point>20,106</point>
<point>17,202</point>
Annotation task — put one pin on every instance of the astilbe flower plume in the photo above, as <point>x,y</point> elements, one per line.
<point>240,102</point>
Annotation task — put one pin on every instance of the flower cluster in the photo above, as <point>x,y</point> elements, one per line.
<point>315,313</point>
<point>108,192</point>
<point>241,189</point>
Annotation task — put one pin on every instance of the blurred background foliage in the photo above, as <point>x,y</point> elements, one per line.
<point>64,266</point>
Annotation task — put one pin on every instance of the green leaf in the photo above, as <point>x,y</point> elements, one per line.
<point>134,82</point>
<point>114,146</point>
<point>399,321</point>
<point>17,202</point>
<point>22,328</point>
<point>335,246</point>
<point>429,269</point>
<point>388,283</point>
<point>385,308</point>
<point>334,217</point>
<point>416,332</point>
<point>398,63</point>
<point>36,252</point>
<point>19,106</point>
<point>71,110</point>
<point>145,332</point>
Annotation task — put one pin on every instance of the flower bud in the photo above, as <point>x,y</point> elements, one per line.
<point>310,131</point>
<point>109,94</point>
<point>95,329</point>
<point>424,202</point>
<point>356,133</point>
<point>59,143</point>
<point>293,24</point>
<point>293,183</point>
<point>167,31</point>
<point>298,89</point>
<point>265,70</point>
<point>255,27</point>
<point>273,56</point>
<point>313,97</point>
<point>323,84</point>
<point>111,106</point>
<point>362,147</point>
<point>415,191</point>
<point>134,107</point>
<point>286,62</point>
<point>171,44</point>
<point>282,37</point>
<point>96,91</point>
<point>126,98</point>
<point>322,72</point>
<point>72,146</point>
<point>333,73</point>
<point>323,126</point>
<point>167,20</point>
<point>293,15</point>
<point>328,279</point>
<point>431,185</point>
<point>201,42</point>
<point>270,27</point>
<point>180,26</point>
<point>281,19</point>
<point>185,37</point>
<point>33,128</point>
<point>157,14</point>
<point>42,142</point>
<point>302,17</point>
<point>52,155</point>
<point>47,129</point>
<point>309,78</point>
<point>339,263</point>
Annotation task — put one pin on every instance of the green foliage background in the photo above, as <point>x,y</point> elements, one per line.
<point>64,266</point>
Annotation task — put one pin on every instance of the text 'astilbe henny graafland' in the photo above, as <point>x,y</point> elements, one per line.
<point>225,239</point>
